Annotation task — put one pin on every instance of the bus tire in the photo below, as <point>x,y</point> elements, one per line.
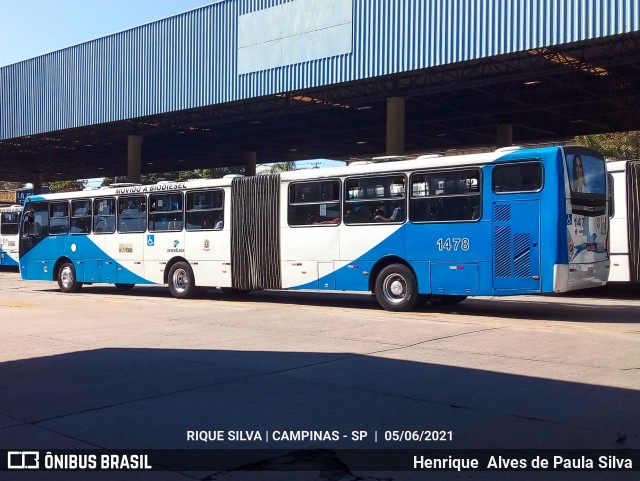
<point>182,283</point>
<point>67,280</point>
<point>396,288</point>
<point>445,300</point>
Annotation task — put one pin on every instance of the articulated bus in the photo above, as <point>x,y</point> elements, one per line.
<point>433,229</point>
<point>624,179</point>
<point>9,217</point>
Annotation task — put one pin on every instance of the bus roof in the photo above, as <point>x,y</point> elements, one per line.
<point>421,162</point>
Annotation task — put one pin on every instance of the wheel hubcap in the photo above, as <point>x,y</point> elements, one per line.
<point>66,276</point>
<point>180,280</point>
<point>395,288</point>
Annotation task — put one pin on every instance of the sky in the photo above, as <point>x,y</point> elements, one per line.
<point>30,28</point>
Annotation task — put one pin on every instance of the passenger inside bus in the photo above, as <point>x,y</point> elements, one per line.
<point>396,215</point>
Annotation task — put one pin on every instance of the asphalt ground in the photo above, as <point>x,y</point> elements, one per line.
<point>140,370</point>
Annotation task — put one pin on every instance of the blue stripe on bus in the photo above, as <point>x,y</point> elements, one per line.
<point>6,260</point>
<point>94,266</point>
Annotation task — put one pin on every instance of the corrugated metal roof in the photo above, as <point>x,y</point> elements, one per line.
<point>191,60</point>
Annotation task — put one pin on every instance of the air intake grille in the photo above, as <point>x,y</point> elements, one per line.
<point>502,213</point>
<point>521,255</point>
<point>502,236</point>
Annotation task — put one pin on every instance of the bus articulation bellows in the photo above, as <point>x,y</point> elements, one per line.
<point>438,229</point>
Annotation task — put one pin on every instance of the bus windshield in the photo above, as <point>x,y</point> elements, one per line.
<point>586,172</point>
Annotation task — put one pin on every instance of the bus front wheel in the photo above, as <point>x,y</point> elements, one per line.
<point>181,281</point>
<point>396,288</point>
<point>67,278</point>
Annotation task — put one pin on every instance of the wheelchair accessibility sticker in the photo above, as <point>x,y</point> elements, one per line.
<point>151,240</point>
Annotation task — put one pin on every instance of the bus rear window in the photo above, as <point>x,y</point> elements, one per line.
<point>9,223</point>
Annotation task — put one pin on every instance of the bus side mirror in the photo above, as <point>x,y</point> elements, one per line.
<point>28,224</point>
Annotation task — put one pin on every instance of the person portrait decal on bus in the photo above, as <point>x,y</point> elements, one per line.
<point>578,182</point>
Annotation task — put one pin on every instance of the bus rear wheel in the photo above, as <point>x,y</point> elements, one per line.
<point>396,288</point>
<point>182,283</point>
<point>67,278</point>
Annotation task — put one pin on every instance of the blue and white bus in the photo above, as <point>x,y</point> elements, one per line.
<point>513,221</point>
<point>9,217</point>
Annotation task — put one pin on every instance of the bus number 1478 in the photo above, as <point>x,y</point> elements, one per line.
<point>454,243</point>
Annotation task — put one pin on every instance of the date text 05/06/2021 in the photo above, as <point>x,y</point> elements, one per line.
<point>266,436</point>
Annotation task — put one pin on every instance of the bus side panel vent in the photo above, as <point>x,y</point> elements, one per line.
<point>633,219</point>
<point>502,213</point>
<point>255,232</point>
<point>503,257</point>
<point>522,255</point>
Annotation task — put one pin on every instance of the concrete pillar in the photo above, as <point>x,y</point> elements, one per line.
<point>250,159</point>
<point>395,126</point>
<point>134,158</point>
<point>504,135</point>
<point>37,183</point>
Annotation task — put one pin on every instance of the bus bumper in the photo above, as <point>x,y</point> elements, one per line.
<point>579,276</point>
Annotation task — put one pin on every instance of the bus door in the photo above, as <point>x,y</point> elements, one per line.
<point>36,258</point>
<point>207,237</point>
<point>101,267</point>
<point>309,234</point>
<point>126,249</point>
<point>165,237</point>
<point>516,226</point>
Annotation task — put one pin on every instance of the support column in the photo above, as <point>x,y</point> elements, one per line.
<point>250,159</point>
<point>37,183</point>
<point>395,126</point>
<point>134,158</point>
<point>504,135</point>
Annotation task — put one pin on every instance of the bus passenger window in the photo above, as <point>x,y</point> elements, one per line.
<point>377,199</point>
<point>165,212</point>
<point>80,217</point>
<point>521,177</point>
<point>314,203</point>
<point>445,196</point>
<point>131,214</point>
<point>104,222</point>
<point>204,210</point>
<point>58,218</point>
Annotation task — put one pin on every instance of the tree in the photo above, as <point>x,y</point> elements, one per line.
<point>617,146</point>
<point>280,167</point>
<point>66,185</point>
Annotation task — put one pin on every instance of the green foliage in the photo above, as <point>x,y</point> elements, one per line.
<point>67,185</point>
<point>280,167</point>
<point>616,146</point>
